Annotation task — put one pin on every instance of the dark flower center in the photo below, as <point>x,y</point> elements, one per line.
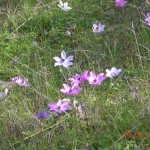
<point>58,107</point>
<point>94,80</point>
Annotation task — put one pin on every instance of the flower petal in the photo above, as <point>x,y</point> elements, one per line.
<point>66,64</point>
<point>63,55</point>
<point>52,106</point>
<point>58,64</point>
<point>57,59</point>
<point>69,58</point>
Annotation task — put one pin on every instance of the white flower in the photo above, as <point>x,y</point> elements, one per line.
<point>64,6</point>
<point>64,60</point>
<point>97,28</point>
<point>3,94</point>
<point>113,72</point>
<point>68,33</point>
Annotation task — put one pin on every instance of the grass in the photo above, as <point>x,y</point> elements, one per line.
<point>115,107</point>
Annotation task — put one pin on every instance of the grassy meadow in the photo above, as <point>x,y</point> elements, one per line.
<point>33,32</point>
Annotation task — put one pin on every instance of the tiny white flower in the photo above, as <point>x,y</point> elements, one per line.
<point>3,94</point>
<point>113,72</point>
<point>66,100</point>
<point>64,6</point>
<point>68,33</point>
<point>97,28</point>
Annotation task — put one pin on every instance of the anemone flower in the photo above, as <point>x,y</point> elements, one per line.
<point>147,19</point>
<point>70,90</point>
<point>40,115</point>
<point>64,60</point>
<point>113,72</point>
<point>97,28</point>
<point>20,81</point>
<point>64,6</point>
<point>60,107</point>
<point>96,80</point>
<point>121,3</point>
<point>76,80</point>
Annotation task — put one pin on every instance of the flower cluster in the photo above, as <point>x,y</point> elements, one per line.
<point>73,87</point>
<point>91,78</point>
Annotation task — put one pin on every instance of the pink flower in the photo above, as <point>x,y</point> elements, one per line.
<point>147,19</point>
<point>60,107</point>
<point>121,3</point>
<point>77,79</point>
<point>64,60</point>
<point>73,90</point>
<point>20,81</point>
<point>96,80</point>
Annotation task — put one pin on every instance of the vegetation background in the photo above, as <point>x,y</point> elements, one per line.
<point>33,32</point>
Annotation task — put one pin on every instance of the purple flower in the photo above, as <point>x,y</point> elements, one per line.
<point>41,115</point>
<point>96,80</point>
<point>60,107</point>
<point>20,81</point>
<point>147,19</point>
<point>64,60</point>
<point>77,79</point>
<point>113,72</point>
<point>121,3</point>
<point>73,90</point>
<point>97,28</point>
